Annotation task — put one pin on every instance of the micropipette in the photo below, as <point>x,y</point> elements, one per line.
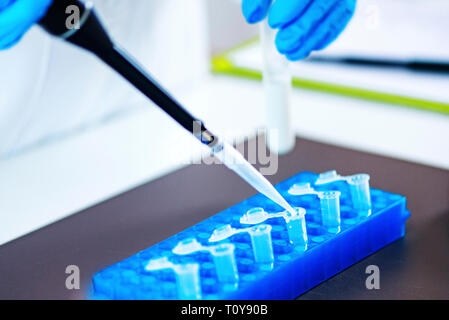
<point>90,35</point>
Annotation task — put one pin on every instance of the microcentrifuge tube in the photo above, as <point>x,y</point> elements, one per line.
<point>360,192</point>
<point>223,256</point>
<point>187,277</point>
<point>330,208</point>
<point>188,281</point>
<point>224,259</point>
<point>296,227</point>
<point>296,223</point>
<point>261,243</point>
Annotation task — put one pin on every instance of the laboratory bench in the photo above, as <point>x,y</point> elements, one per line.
<point>415,267</point>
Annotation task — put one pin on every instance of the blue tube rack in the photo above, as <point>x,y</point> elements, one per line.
<point>295,269</point>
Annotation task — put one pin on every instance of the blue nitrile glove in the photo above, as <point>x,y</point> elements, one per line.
<point>304,25</point>
<point>17,16</point>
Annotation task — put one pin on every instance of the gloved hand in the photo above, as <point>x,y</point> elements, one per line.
<point>17,16</point>
<point>304,25</point>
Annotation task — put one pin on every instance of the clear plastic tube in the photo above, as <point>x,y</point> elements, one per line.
<point>296,223</point>
<point>260,240</point>
<point>329,202</point>
<point>358,185</point>
<point>296,227</point>
<point>330,208</point>
<point>225,264</point>
<point>187,277</point>
<point>360,192</point>
<point>188,281</point>
<point>261,243</point>
<point>223,256</point>
<point>278,85</point>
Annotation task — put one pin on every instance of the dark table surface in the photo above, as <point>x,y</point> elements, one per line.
<point>415,267</point>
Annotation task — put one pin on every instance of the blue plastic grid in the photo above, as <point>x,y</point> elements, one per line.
<point>296,269</point>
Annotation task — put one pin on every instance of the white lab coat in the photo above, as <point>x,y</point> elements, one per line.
<point>49,89</point>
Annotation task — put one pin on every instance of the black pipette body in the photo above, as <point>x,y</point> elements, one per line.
<point>90,35</point>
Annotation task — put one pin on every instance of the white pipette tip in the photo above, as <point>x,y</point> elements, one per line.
<point>230,157</point>
<point>276,197</point>
<point>284,204</point>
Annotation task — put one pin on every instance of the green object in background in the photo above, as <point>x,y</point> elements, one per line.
<point>222,64</point>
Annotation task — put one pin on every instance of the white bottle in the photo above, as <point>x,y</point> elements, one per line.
<point>278,85</point>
